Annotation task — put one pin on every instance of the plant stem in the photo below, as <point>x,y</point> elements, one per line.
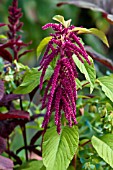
<point>74,162</point>
<point>25,140</point>
<point>23,128</point>
<point>8,146</point>
<point>21,104</point>
<point>85,143</point>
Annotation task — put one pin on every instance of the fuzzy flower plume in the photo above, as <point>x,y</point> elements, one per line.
<point>14,39</point>
<point>60,93</point>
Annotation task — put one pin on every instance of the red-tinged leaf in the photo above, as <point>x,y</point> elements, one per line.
<point>5,55</point>
<point>1,89</point>
<point>7,126</point>
<point>9,97</point>
<point>15,114</point>
<point>102,6</point>
<point>99,57</point>
<point>108,17</point>
<point>2,144</point>
<point>6,163</point>
<point>83,4</point>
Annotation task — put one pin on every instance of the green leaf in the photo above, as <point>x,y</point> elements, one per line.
<point>93,31</point>
<point>61,20</point>
<point>70,168</point>
<point>42,45</point>
<point>103,150</point>
<point>3,37</point>
<point>43,168</point>
<point>108,139</point>
<point>67,23</point>
<point>88,71</point>
<point>78,83</point>
<point>31,165</point>
<point>32,80</point>
<point>20,66</point>
<point>58,150</point>
<point>1,64</point>
<point>106,83</point>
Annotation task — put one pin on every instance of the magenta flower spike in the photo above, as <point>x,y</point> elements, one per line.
<point>60,94</point>
<point>15,26</point>
<point>14,40</point>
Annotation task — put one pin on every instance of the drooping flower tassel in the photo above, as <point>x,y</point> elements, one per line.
<point>60,94</point>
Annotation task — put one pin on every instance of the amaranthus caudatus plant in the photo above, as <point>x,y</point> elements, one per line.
<point>61,91</point>
<point>54,149</point>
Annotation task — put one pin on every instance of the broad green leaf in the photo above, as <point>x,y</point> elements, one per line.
<point>32,80</point>
<point>93,31</point>
<point>106,83</point>
<point>61,20</point>
<point>88,70</point>
<point>100,35</point>
<point>42,45</point>
<point>31,165</point>
<point>58,150</point>
<point>103,150</point>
